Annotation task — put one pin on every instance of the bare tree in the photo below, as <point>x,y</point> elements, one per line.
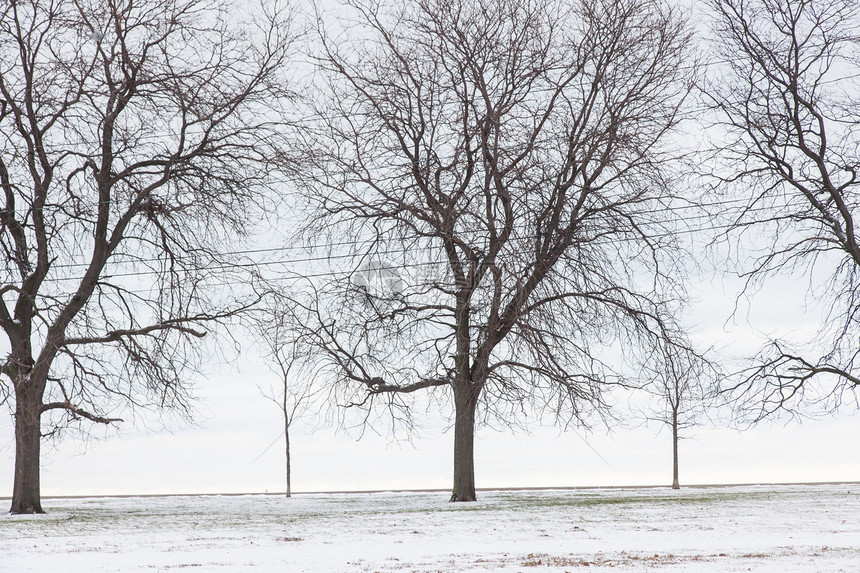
<point>295,389</point>
<point>495,175</point>
<point>684,383</point>
<point>787,98</point>
<point>133,146</point>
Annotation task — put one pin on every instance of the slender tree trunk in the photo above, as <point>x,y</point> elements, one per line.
<point>675,483</point>
<point>26,493</point>
<point>287,439</point>
<point>464,445</point>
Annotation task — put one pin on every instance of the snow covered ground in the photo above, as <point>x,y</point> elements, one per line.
<point>750,528</point>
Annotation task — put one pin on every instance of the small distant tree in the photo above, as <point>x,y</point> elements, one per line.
<point>787,100</point>
<point>683,383</point>
<point>506,162</point>
<point>136,140</point>
<point>295,390</point>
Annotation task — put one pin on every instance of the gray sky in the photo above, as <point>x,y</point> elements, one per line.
<point>237,423</point>
<point>219,456</point>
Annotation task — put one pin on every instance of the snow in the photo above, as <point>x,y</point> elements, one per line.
<point>739,528</point>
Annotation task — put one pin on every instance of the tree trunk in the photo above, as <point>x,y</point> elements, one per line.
<point>26,493</point>
<point>464,445</point>
<point>675,483</point>
<point>287,438</point>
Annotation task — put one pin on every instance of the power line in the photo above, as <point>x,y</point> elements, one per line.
<point>309,248</point>
<point>302,275</point>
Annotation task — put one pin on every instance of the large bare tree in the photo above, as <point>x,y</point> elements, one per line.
<point>495,177</point>
<point>787,99</point>
<point>133,144</point>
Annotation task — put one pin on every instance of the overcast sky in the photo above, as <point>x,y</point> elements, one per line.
<point>237,423</point>
<point>221,452</point>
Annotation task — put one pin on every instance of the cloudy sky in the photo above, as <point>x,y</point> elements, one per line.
<point>226,449</point>
<point>222,451</point>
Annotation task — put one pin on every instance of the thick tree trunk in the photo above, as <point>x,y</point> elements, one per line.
<point>675,483</point>
<point>26,493</point>
<point>464,445</point>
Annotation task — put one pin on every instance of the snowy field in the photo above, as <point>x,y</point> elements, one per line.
<point>750,528</point>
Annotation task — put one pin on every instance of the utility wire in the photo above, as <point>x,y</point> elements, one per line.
<point>365,255</point>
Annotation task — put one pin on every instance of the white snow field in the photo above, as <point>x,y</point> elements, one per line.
<point>743,528</point>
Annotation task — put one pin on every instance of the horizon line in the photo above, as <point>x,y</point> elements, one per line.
<point>439,490</point>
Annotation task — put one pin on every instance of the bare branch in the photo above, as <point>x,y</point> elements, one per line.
<point>786,103</point>
<point>75,411</point>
